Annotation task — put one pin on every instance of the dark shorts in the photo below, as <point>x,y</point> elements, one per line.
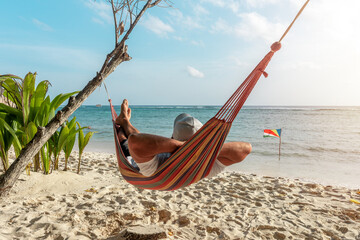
<point>125,148</point>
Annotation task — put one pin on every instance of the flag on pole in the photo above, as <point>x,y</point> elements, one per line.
<point>272,133</point>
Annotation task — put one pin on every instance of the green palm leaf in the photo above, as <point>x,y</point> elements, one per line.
<point>6,126</point>
<point>28,89</point>
<point>38,98</point>
<point>12,91</point>
<point>42,115</point>
<point>11,111</point>
<point>59,99</point>
<point>83,141</point>
<point>45,156</point>
<point>64,133</point>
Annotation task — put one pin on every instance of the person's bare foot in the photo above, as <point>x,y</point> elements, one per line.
<point>125,113</point>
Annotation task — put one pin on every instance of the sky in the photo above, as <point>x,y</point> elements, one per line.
<point>192,53</point>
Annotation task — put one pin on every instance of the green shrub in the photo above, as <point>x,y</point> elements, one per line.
<point>30,108</point>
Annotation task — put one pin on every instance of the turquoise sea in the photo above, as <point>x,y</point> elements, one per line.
<point>320,144</point>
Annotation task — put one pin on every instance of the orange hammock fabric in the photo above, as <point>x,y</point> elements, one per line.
<point>193,161</point>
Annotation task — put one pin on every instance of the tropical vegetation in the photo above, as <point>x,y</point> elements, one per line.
<point>27,106</point>
<point>83,141</point>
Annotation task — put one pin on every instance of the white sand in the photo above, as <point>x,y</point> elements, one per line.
<point>98,204</point>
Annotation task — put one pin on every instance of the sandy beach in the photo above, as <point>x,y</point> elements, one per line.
<point>99,204</point>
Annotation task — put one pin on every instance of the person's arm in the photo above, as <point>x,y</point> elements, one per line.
<point>143,147</point>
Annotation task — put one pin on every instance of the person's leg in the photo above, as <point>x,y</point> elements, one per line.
<point>143,147</point>
<point>124,128</point>
<point>230,153</point>
<point>124,119</point>
<point>234,152</point>
<point>123,141</point>
<point>121,134</point>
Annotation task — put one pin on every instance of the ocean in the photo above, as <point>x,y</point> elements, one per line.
<point>318,144</point>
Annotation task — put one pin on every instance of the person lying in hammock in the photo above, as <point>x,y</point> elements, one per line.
<point>150,151</point>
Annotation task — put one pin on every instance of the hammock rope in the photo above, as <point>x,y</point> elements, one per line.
<point>194,160</point>
<point>296,17</point>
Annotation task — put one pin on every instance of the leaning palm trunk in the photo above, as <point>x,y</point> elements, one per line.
<point>113,59</point>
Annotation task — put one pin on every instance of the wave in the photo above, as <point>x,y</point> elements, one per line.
<point>276,153</point>
<point>277,108</point>
<point>335,150</point>
<point>339,109</point>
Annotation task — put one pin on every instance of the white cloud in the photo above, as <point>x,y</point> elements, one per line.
<point>180,39</point>
<point>221,26</point>
<point>42,26</point>
<point>234,6</point>
<point>230,4</point>
<point>97,20</point>
<point>296,3</point>
<point>261,3</point>
<point>102,10</point>
<point>254,26</point>
<point>194,72</point>
<point>157,26</point>
<point>239,62</point>
<point>305,65</point>
<point>217,3</point>
<point>197,43</point>
<point>186,22</point>
<point>200,10</point>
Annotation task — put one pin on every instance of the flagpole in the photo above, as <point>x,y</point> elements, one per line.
<point>279,144</point>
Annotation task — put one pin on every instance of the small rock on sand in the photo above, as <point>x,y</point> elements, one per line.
<point>150,232</point>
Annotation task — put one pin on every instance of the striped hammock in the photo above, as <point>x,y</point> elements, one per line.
<point>194,160</point>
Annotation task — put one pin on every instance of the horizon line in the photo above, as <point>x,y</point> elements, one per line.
<point>211,105</point>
